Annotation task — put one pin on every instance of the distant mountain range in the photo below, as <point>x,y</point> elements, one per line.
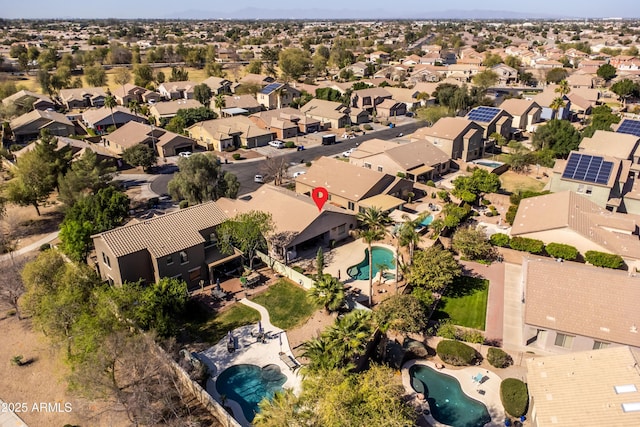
<point>325,14</point>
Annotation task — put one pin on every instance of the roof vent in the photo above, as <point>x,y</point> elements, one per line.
<point>633,329</point>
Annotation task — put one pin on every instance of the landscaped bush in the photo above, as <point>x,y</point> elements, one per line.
<point>498,358</point>
<point>355,128</point>
<point>511,214</point>
<point>525,244</point>
<point>500,239</point>
<point>430,183</point>
<point>236,156</point>
<point>447,330</point>
<point>308,164</point>
<point>560,250</point>
<point>289,144</point>
<point>184,204</point>
<point>514,396</point>
<point>603,259</point>
<point>367,127</point>
<point>456,353</point>
<point>472,336</point>
<point>485,202</point>
<point>401,175</point>
<point>45,247</point>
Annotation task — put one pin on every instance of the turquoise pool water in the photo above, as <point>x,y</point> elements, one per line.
<point>489,164</point>
<point>249,384</point>
<point>447,402</point>
<point>428,220</point>
<point>381,256</point>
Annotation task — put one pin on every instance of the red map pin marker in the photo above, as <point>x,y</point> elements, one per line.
<point>320,195</point>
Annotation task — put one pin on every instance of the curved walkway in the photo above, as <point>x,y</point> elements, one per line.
<point>248,350</point>
<point>32,247</point>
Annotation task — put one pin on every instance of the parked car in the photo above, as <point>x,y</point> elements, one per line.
<point>259,179</point>
<point>185,154</point>
<point>348,152</point>
<point>297,174</point>
<point>276,144</point>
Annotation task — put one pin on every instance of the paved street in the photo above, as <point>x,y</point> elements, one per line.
<point>245,170</point>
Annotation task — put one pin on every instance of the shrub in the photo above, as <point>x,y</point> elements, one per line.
<point>510,216</point>
<point>401,175</point>
<point>498,358</point>
<point>444,196</point>
<point>430,183</point>
<point>298,269</point>
<point>355,128</point>
<point>367,127</point>
<point>493,210</point>
<point>500,239</point>
<point>485,202</point>
<point>560,250</point>
<point>17,360</point>
<point>603,259</point>
<point>472,336</point>
<point>447,330</point>
<point>289,144</point>
<point>45,247</point>
<point>456,353</point>
<point>236,156</point>
<point>308,164</point>
<point>184,204</point>
<point>514,396</point>
<point>525,244</point>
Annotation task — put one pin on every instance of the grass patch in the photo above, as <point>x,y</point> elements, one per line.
<point>465,303</point>
<point>286,303</point>
<point>211,328</point>
<point>513,182</point>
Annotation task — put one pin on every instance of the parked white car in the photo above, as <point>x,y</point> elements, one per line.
<point>297,174</point>
<point>348,152</point>
<point>185,154</point>
<point>276,144</point>
<point>259,179</point>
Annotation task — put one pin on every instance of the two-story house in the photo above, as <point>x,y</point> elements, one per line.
<point>458,137</point>
<point>277,95</point>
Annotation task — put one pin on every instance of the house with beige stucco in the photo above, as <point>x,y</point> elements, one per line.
<point>524,112</point>
<point>228,133</point>
<point>458,137</point>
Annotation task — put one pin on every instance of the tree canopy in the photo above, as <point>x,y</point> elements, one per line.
<point>247,232</point>
<point>202,93</point>
<point>472,243</point>
<point>140,155</point>
<point>200,178</point>
<point>87,174</point>
<point>607,71</point>
<point>328,292</point>
<point>294,62</point>
<point>557,135</point>
<point>434,269</point>
<point>468,188</point>
<point>189,116</point>
<point>403,313</point>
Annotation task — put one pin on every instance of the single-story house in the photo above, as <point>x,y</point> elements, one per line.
<point>28,126</point>
<point>83,97</point>
<point>102,118</point>
<point>133,133</point>
<point>26,100</point>
<point>390,108</point>
<point>351,187</point>
<point>295,216</point>
<point>168,109</point>
<point>129,92</point>
<point>236,131</point>
<point>260,80</point>
<point>177,90</point>
<point>286,122</point>
<point>458,137</point>
<point>234,103</point>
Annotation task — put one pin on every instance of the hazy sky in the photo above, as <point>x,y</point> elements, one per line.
<point>164,8</point>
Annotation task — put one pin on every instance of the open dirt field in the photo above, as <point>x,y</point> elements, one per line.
<point>42,381</point>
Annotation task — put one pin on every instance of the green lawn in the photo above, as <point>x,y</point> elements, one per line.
<point>287,304</point>
<point>466,303</point>
<point>208,328</point>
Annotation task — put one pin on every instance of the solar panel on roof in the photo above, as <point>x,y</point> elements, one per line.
<point>587,168</point>
<point>483,114</point>
<point>629,126</point>
<point>270,88</point>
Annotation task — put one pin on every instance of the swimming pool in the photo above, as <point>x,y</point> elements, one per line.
<point>428,220</point>
<point>381,256</point>
<point>447,402</point>
<point>249,384</point>
<point>489,164</point>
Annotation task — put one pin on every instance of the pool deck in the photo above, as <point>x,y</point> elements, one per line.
<point>490,387</point>
<point>351,254</point>
<point>249,351</point>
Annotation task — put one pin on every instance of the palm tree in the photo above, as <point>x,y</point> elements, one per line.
<point>281,410</point>
<point>220,102</point>
<point>350,334</point>
<point>563,88</point>
<point>374,221</point>
<point>134,106</point>
<point>321,355</point>
<point>328,292</point>
<point>110,103</point>
<point>556,105</point>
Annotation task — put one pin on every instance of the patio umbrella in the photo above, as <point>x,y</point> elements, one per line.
<point>218,283</point>
<point>259,327</point>
<point>280,337</point>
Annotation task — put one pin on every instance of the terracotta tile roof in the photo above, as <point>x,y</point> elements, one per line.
<point>164,235</point>
<point>578,389</point>
<point>583,300</point>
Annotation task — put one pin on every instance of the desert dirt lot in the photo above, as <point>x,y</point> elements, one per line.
<point>42,381</point>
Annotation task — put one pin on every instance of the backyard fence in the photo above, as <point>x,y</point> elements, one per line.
<point>286,271</point>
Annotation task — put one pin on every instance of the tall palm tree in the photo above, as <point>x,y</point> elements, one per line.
<point>219,102</point>
<point>563,88</point>
<point>556,105</point>
<point>110,103</point>
<point>321,355</point>
<point>135,107</point>
<point>350,334</point>
<point>281,410</point>
<point>374,221</point>
<point>328,292</point>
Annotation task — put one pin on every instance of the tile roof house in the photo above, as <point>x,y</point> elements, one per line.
<point>180,244</point>
<point>234,103</point>
<point>177,90</point>
<point>100,119</point>
<point>253,79</point>
<point>168,109</point>
<point>286,122</point>
<point>545,98</point>
<point>296,214</point>
<point>591,388</point>
<point>27,100</point>
<point>28,126</point>
<point>331,114</point>
<point>133,133</point>
<point>506,74</point>
<point>368,99</point>
<point>492,120</point>
<point>525,112</point>
<point>277,95</point>
<point>218,85</point>
<point>84,97</point>
<point>573,219</point>
<point>129,92</point>
<point>352,187</point>
<point>235,131</point>
<point>571,307</point>
<point>456,136</point>
<point>418,161</point>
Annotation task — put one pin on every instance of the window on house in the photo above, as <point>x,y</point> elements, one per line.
<point>170,260</point>
<point>110,281</point>
<point>379,168</point>
<point>367,165</point>
<point>106,260</point>
<point>589,190</point>
<point>351,206</point>
<point>563,340</point>
<point>599,345</point>
<point>212,239</point>
<point>183,257</point>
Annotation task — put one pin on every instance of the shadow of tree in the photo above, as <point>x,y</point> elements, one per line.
<point>465,285</point>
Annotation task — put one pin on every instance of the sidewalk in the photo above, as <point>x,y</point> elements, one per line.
<point>32,247</point>
<point>8,418</point>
